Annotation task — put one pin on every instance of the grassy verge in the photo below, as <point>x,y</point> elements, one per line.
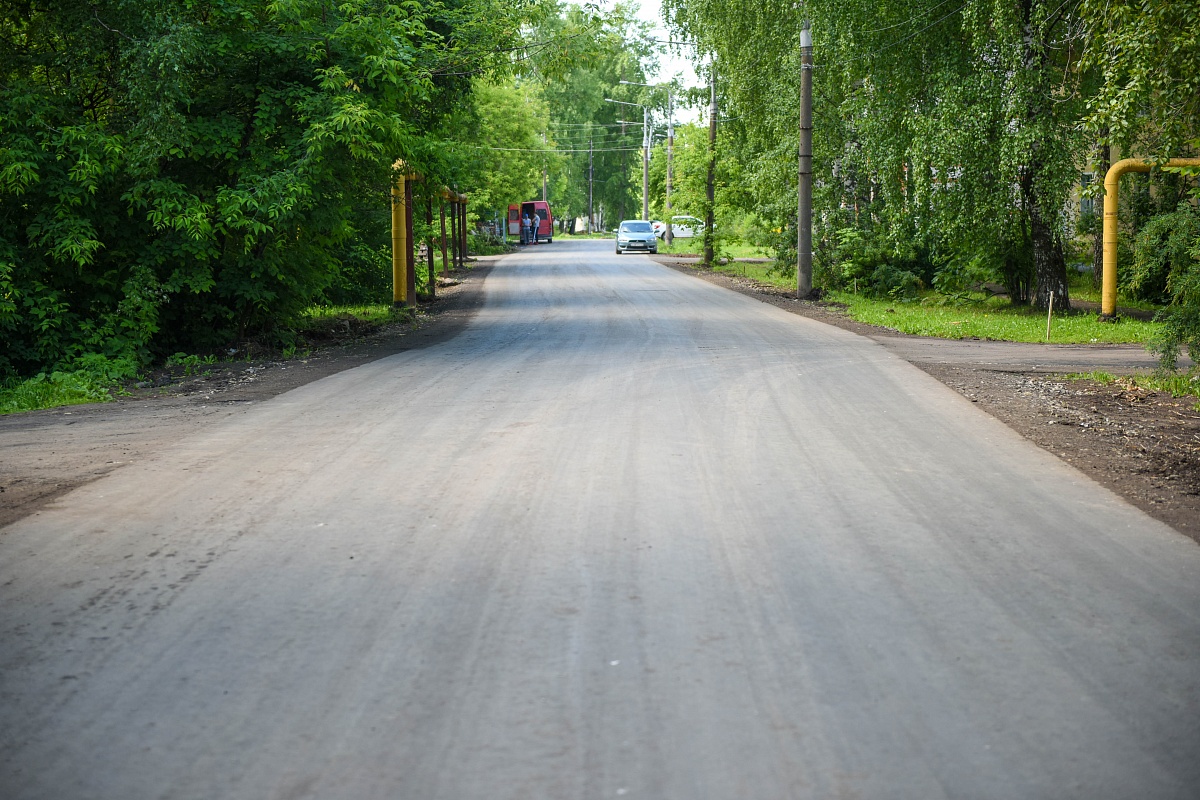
<point>373,313</point>
<point>991,318</point>
<point>1183,384</point>
<point>695,246</point>
<point>977,317</point>
<point>760,273</point>
<point>90,379</point>
<point>95,379</point>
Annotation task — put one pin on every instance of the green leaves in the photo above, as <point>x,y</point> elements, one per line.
<point>174,176</point>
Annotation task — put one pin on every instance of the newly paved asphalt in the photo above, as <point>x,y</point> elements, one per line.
<point>628,535</point>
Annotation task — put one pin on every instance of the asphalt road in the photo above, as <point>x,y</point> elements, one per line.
<point>628,535</point>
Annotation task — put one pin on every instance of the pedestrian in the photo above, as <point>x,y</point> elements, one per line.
<point>525,228</point>
<point>537,226</point>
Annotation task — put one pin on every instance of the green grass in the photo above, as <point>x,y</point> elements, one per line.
<point>1180,384</point>
<point>759,272</point>
<point>695,246</point>
<point>54,390</point>
<point>377,313</point>
<point>993,318</point>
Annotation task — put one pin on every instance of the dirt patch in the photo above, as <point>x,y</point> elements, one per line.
<point>49,453</point>
<point>1143,445</point>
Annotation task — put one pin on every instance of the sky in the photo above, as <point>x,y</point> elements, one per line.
<point>670,63</point>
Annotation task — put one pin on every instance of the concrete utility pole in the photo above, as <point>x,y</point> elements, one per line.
<point>645,163</point>
<point>590,176</point>
<point>804,210</point>
<point>668,235</point>
<point>711,188</point>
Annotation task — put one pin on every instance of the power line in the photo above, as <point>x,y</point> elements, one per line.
<point>924,13</point>
<point>552,150</point>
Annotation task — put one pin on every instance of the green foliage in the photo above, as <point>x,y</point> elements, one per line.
<point>1164,247</point>
<point>91,378</point>
<point>1181,319</point>
<point>600,50</point>
<point>179,176</point>
<point>945,133</point>
<point>1147,53</point>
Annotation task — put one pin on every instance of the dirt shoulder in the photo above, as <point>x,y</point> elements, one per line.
<point>1143,445</point>
<point>49,453</point>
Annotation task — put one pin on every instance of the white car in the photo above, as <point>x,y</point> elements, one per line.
<point>682,227</point>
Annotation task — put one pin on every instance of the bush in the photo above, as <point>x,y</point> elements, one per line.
<point>1163,247</point>
<point>1178,235</point>
<point>89,379</point>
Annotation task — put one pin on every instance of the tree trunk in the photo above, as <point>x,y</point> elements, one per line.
<point>1103,162</point>
<point>1049,263</point>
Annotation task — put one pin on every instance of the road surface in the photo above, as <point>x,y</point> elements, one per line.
<point>628,535</point>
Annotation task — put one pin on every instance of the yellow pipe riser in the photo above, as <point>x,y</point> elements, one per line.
<point>1108,297</point>
<point>399,245</point>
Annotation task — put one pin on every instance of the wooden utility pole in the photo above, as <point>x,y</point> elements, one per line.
<point>711,188</point>
<point>430,271</point>
<point>590,176</point>
<point>410,257</point>
<point>463,229</point>
<point>454,229</point>
<point>442,212</point>
<point>804,205</point>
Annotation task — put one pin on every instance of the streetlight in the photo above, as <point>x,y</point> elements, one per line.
<point>645,153</point>
<point>668,236</point>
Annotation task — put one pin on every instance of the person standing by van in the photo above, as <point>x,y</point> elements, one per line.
<point>525,227</point>
<point>537,226</point>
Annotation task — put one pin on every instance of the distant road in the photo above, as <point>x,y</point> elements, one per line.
<point>628,535</point>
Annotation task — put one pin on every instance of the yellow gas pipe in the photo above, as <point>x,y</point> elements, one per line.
<point>1108,297</point>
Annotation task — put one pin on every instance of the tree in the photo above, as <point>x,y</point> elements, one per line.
<point>934,123</point>
<point>177,176</point>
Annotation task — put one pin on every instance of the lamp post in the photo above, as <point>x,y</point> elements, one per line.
<point>668,236</point>
<point>645,154</point>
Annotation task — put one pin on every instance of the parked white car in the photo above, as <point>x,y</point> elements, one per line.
<point>682,227</point>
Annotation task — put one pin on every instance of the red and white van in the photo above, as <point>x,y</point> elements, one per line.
<point>542,208</point>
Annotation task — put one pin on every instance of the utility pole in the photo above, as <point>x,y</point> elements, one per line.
<point>711,188</point>
<point>804,205</point>
<point>543,168</point>
<point>668,236</point>
<point>590,216</point>
<point>624,174</point>
<point>645,163</point>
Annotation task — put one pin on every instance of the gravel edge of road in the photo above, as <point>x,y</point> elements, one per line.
<point>51,452</point>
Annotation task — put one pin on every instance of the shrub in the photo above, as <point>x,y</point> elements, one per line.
<point>1180,257</point>
<point>1163,247</point>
